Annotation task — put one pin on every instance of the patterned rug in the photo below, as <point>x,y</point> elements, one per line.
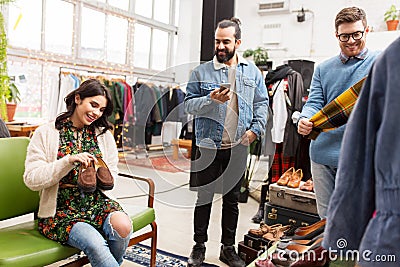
<point>140,254</point>
<point>162,163</point>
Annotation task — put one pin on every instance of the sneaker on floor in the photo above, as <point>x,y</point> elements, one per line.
<point>229,256</point>
<point>197,255</point>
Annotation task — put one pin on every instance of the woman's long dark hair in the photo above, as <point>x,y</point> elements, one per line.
<point>88,88</point>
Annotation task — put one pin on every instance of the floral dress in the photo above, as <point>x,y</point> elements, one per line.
<point>73,205</point>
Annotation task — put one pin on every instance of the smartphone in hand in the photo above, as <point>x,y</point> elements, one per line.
<point>224,86</point>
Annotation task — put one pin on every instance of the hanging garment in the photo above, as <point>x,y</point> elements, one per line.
<point>280,114</point>
<point>67,85</point>
<point>280,164</point>
<point>278,74</point>
<point>286,151</point>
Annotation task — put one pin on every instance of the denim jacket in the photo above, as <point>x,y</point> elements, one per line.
<point>210,115</point>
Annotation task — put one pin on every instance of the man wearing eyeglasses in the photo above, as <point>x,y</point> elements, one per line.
<point>330,79</point>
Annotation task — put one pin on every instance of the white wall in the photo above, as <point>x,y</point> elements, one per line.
<point>314,38</point>
<point>189,39</point>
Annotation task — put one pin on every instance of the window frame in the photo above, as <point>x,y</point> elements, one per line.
<point>75,58</point>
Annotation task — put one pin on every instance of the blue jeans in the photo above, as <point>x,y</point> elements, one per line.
<point>324,184</point>
<point>101,252</point>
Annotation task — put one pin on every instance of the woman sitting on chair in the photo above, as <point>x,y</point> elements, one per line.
<point>72,162</point>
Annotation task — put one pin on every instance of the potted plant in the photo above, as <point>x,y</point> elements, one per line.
<point>391,17</point>
<point>260,55</point>
<point>12,98</point>
<point>4,78</point>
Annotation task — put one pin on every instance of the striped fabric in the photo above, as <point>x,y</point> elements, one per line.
<point>337,112</point>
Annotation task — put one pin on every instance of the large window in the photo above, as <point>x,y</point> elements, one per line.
<point>155,9</point>
<point>142,46</point>
<point>58,36</point>
<point>134,33</point>
<point>129,37</point>
<point>162,10</point>
<point>92,34</point>
<point>159,49</point>
<point>144,8</point>
<point>117,32</point>
<point>122,4</point>
<point>25,24</point>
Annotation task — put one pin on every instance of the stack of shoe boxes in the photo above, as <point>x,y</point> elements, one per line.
<point>251,248</point>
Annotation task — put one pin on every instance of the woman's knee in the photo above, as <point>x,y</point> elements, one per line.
<point>121,223</point>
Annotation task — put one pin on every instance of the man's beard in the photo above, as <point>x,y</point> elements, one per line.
<point>227,57</point>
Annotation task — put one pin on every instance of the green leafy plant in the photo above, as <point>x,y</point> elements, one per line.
<point>260,55</point>
<point>4,78</point>
<point>13,94</point>
<point>392,13</point>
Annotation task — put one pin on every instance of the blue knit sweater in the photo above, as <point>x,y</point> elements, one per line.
<point>330,79</point>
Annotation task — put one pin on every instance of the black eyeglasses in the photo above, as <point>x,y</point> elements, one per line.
<point>344,37</point>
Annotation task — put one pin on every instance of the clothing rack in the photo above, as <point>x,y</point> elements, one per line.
<point>95,74</point>
<point>157,83</point>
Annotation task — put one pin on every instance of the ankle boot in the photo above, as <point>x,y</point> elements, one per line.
<point>259,216</point>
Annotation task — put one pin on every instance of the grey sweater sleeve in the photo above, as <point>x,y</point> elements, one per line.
<point>4,132</point>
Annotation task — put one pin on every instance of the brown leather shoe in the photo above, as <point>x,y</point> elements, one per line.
<point>301,249</point>
<point>312,226</point>
<point>309,232</point>
<point>308,186</point>
<point>286,242</point>
<point>295,180</point>
<point>105,180</point>
<point>87,178</point>
<point>276,233</point>
<point>264,228</point>
<point>285,177</point>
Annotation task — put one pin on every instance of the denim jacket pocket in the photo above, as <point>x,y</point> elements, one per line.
<point>207,87</point>
<point>249,83</point>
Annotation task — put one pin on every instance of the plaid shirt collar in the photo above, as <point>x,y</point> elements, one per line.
<point>360,56</point>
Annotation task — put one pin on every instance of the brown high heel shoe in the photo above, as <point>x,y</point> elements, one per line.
<point>309,227</point>
<point>294,181</point>
<point>285,177</point>
<point>105,180</point>
<point>264,228</point>
<point>309,232</point>
<point>87,178</point>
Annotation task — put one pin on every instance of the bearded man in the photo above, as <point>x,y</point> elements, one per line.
<point>229,101</point>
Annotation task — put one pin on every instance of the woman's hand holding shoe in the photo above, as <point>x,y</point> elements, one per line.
<point>84,158</point>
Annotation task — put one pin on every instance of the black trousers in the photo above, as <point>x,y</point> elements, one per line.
<point>218,171</point>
